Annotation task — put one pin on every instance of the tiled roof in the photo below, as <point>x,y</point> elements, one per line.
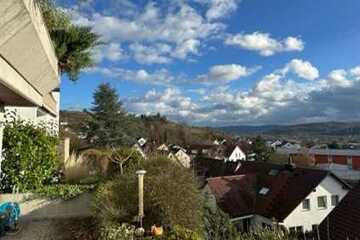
<point>287,186</point>
<point>335,152</point>
<point>234,194</point>
<point>343,223</point>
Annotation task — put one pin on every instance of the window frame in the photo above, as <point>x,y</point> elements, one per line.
<point>307,200</point>
<point>325,202</point>
<point>337,200</point>
<point>299,229</point>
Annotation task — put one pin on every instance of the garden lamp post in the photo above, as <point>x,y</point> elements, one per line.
<point>141,174</point>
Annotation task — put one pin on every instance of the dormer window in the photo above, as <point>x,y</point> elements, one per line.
<point>264,191</point>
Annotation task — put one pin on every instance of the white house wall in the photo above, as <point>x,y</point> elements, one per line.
<point>183,158</point>
<point>306,218</point>
<point>33,115</point>
<point>237,154</point>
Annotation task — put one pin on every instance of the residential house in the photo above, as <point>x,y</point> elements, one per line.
<point>224,152</point>
<point>341,170</point>
<point>141,142</point>
<point>137,147</point>
<point>344,157</point>
<point>343,223</point>
<point>288,148</point>
<point>216,142</point>
<point>205,150</point>
<point>180,156</point>
<point>261,194</point>
<point>234,154</point>
<point>274,144</point>
<point>29,75</point>
<point>163,147</point>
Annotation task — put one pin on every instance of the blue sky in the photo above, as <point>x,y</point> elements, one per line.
<point>224,62</point>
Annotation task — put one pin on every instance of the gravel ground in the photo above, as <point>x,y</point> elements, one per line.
<point>64,229</point>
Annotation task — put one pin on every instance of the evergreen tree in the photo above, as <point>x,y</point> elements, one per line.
<point>262,152</point>
<point>108,121</point>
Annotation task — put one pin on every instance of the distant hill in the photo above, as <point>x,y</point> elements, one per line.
<point>155,128</point>
<point>343,129</point>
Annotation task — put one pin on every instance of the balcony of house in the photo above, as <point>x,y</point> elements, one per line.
<point>28,65</point>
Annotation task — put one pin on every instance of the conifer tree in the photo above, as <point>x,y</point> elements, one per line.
<point>108,120</point>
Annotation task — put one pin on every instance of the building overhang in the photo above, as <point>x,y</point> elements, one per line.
<point>28,65</point>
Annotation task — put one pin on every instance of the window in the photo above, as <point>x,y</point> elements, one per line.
<point>292,229</point>
<point>299,229</point>
<point>334,200</point>
<point>315,228</point>
<point>264,191</point>
<point>322,202</point>
<point>266,226</point>
<point>306,204</point>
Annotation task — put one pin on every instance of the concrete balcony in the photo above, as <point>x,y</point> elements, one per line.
<point>28,65</point>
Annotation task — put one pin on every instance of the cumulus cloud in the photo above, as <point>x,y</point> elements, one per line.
<point>303,69</point>
<point>158,77</point>
<point>275,98</point>
<point>220,8</point>
<point>355,72</point>
<point>151,54</point>
<point>179,25</point>
<point>169,102</point>
<point>264,44</point>
<point>111,52</point>
<point>226,73</point>
<point>339,78</point>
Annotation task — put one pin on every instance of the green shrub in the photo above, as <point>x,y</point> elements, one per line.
<point>266,234</point>
<point>217,225</point>
<point>30,156</point>
<point>116,231</point>
<point>63,191</point>
<point>181,233</point>
<point>171,197</point>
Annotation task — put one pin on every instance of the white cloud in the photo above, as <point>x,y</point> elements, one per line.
<point>273,99</point>
<point>112,52</point>
<point>183,49</point>
<point>226,73</point>
<point>338,78</point>
<point>151,54</point>
<point>169,102</point>
<point>355,72</point>
<point>158,77</point>
<point>220,8</point>
<point>178,25</point>
<point>264,44</point>
<point>303,69</point>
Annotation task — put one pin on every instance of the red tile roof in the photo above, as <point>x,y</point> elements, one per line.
<point>343,223</point>
<point>235,195</point>
<point>288,187</point>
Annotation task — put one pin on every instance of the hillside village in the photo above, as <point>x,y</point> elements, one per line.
<point>107,173</point>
